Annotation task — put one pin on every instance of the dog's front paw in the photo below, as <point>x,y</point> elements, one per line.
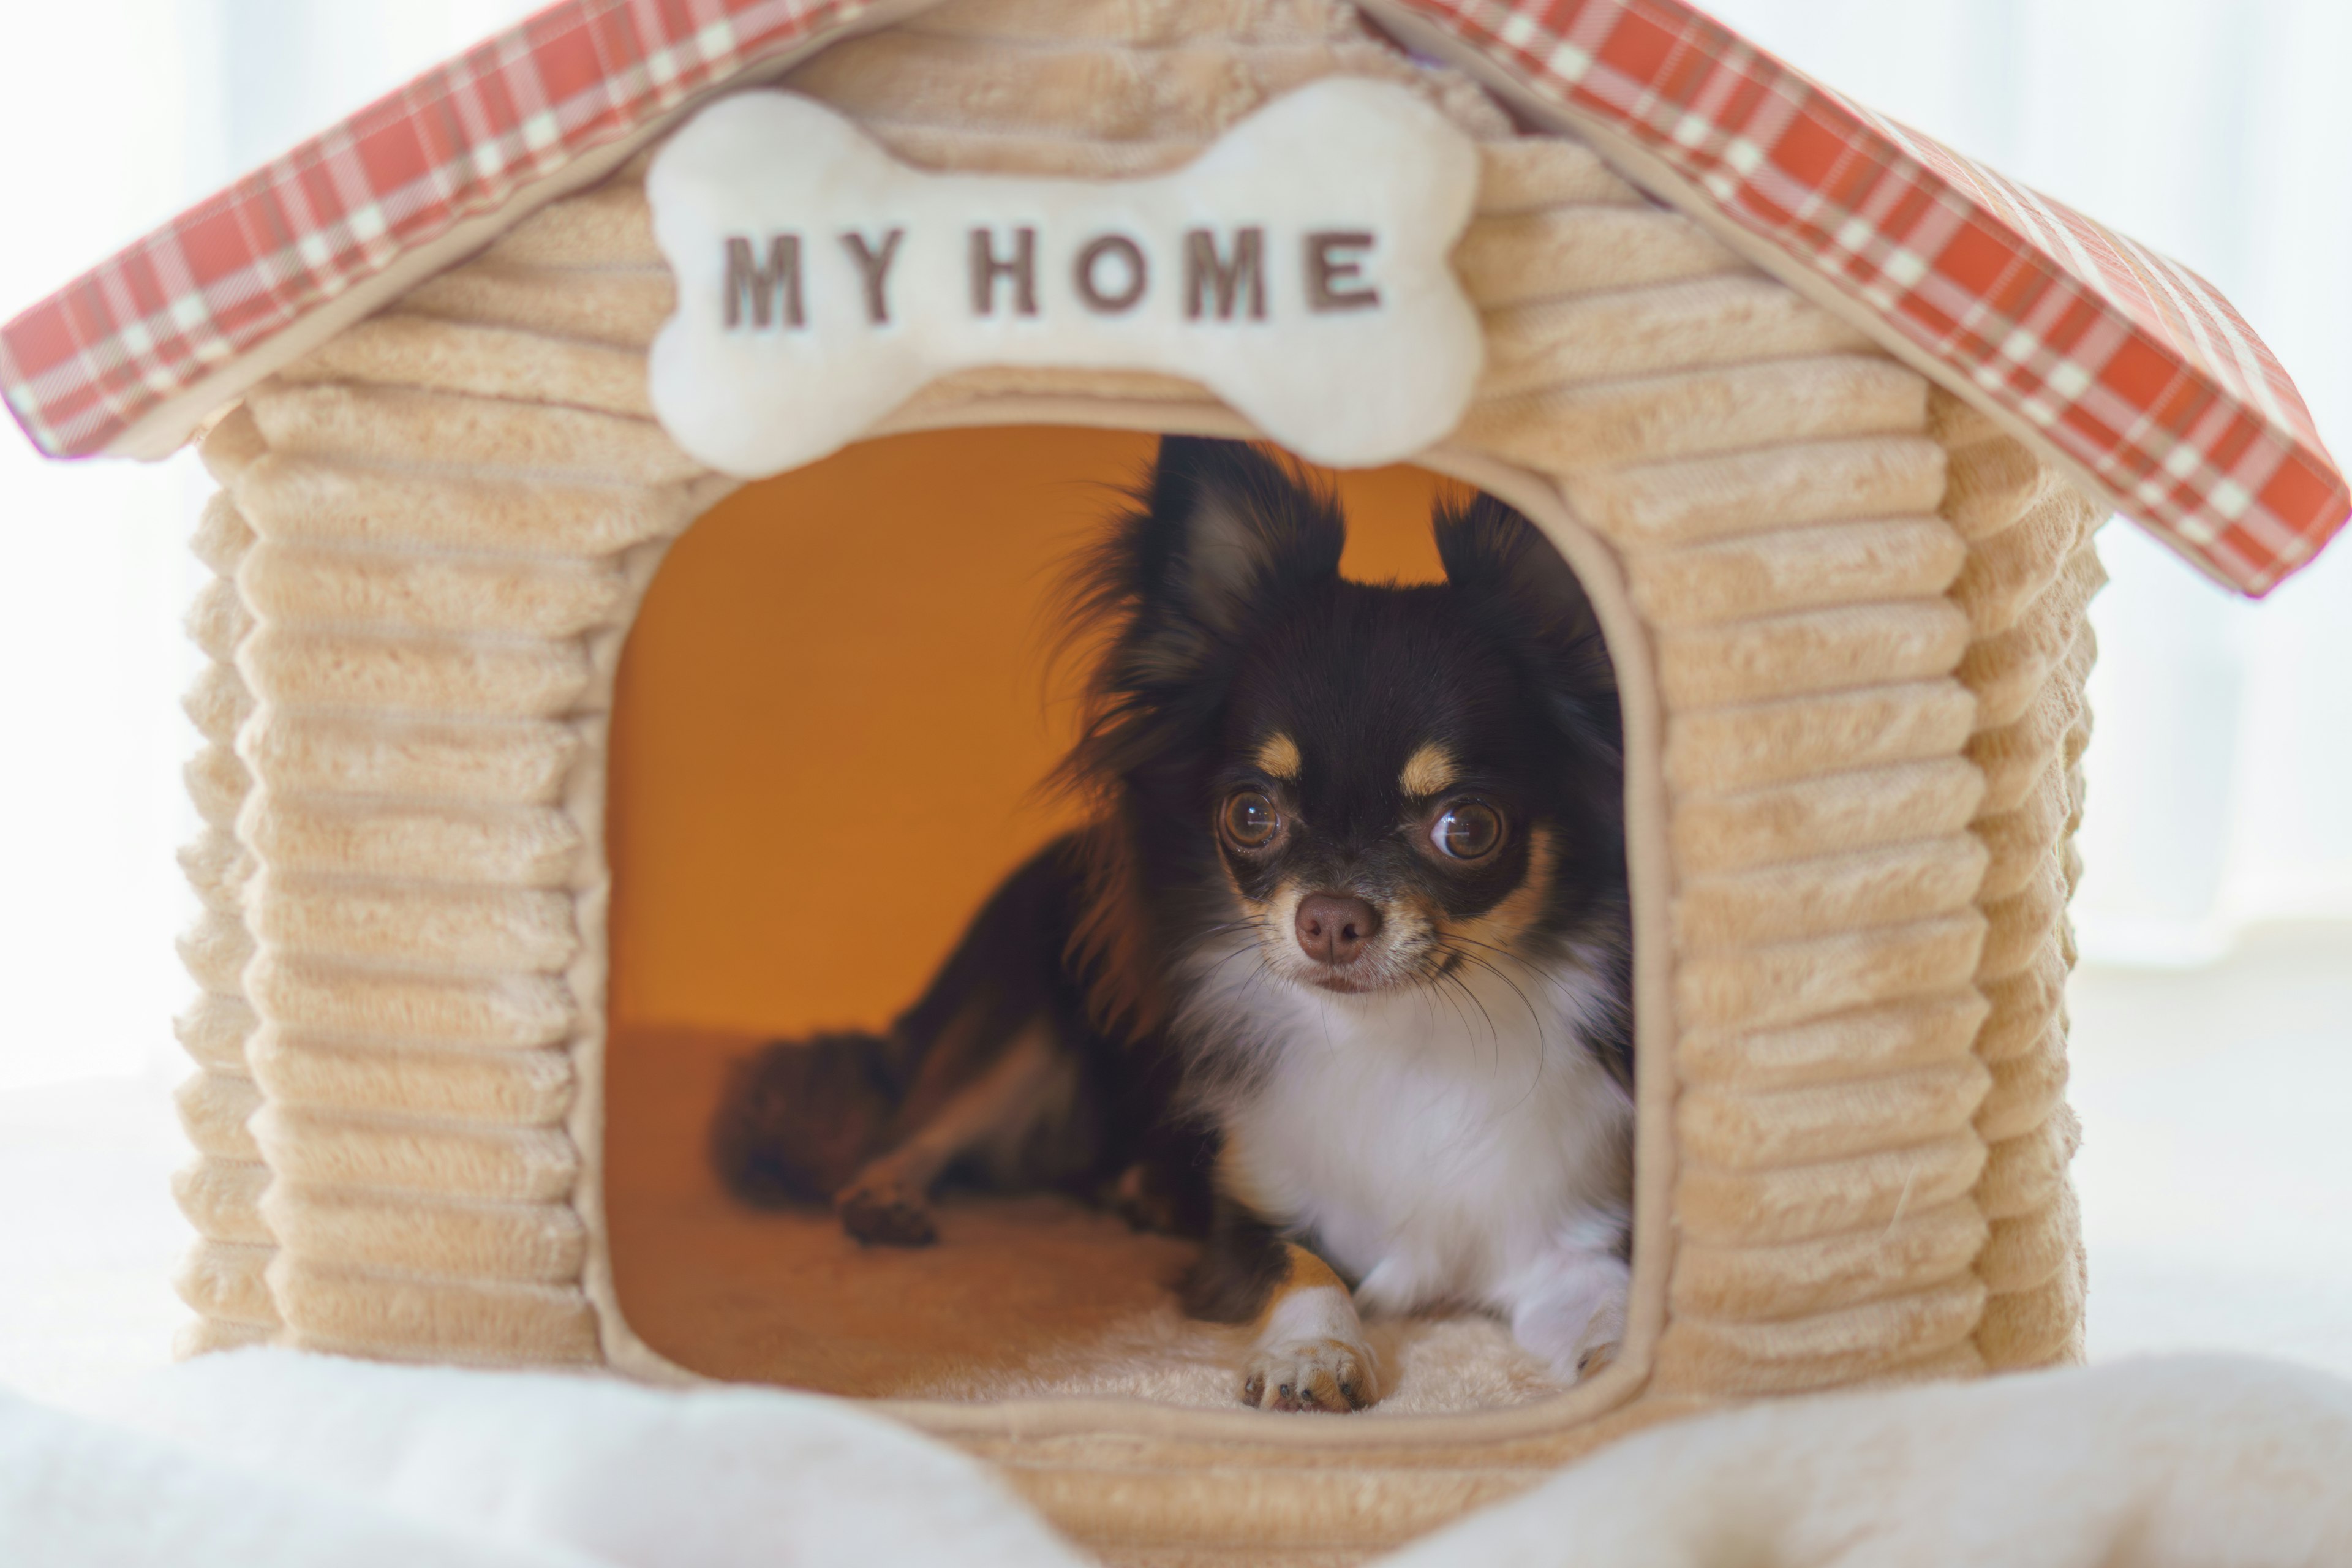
<point>1596,1347</point>
<point>885,1213</point>
<point>1310,1374</point>
<point>1578,1320</point>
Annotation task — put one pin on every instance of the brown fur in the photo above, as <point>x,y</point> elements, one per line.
<point>1428,772</point>
<point>1278,755</point>
<point>798,1120</point>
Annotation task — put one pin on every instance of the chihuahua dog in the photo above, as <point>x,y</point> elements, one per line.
<point>1340,978</point>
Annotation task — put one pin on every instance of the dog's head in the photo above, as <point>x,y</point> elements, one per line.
<point>1371,785</point>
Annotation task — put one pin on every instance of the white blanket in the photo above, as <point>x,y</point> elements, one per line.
<point>265,1458</point>
<point>2143,1464</point>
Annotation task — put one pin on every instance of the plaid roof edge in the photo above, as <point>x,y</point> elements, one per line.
<point>80,367</point>
<point>2127,363</point>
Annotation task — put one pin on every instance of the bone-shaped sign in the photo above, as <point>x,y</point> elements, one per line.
<point>1297,269</point>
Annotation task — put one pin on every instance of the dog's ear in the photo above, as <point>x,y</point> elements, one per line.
<point>1518,584</point>
<point>1227,527</point>
<point>1222,533</point>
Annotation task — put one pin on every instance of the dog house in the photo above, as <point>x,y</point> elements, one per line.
<point>1823,415</point>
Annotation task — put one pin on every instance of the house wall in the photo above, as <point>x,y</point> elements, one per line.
<point>1863,607</point>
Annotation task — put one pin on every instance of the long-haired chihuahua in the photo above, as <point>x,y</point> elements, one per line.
<point>1340,977</point>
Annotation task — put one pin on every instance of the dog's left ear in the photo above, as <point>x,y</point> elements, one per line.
<point>1520,585</point>
<point>1225,533</point>
<point>1227,527</point>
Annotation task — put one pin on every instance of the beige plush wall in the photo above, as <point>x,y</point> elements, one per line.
<point>220,1191</point>
<point>1864,605</point>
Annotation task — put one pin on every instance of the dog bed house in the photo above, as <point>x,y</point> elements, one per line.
<point>1824,415</point>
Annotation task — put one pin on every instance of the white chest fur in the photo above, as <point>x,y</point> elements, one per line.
<point>1442,1143</point>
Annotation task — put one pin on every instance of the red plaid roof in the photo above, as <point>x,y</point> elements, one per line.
<point>2125,362</point>
<point>81,366</point>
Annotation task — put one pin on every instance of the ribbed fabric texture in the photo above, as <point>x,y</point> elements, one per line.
<point>1864,606</point>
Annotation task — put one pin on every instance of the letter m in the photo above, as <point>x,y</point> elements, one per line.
<point>1206,272</point>
<point>753,289</point>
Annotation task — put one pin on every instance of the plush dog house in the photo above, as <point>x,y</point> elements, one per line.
<point>1823,415</point>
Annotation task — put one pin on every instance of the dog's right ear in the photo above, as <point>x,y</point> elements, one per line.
<point>1225,527</point>
<point>1520,585</point>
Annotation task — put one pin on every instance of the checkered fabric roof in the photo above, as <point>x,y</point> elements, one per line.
<point>2125,362</point>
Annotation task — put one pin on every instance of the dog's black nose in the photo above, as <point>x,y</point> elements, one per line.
<point>1334,927</point>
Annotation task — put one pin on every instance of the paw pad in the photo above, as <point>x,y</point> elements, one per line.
<point>886,1219</point>
<point>1310,1374</point>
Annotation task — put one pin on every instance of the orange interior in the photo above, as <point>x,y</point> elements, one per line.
<point>833,719</point>
<point>835,710</point>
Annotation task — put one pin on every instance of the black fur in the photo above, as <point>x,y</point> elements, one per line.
<point>1243,1262</point>
<point>801,1118</point>
<point>1233,621</point>
<point>1229,621</point>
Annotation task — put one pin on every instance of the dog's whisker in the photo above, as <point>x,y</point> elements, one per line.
<point>1542,1053</point>
<point>1533,1015</point>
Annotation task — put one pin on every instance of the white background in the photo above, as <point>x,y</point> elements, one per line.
<point>2213,1055</point>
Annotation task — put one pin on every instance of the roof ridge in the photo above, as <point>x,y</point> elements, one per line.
<point>2128,368</point>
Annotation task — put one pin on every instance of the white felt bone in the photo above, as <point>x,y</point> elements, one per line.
<point>1297,269</point>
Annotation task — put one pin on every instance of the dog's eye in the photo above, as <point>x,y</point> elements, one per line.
<point>1467,830</point>
<point>1250,821</point>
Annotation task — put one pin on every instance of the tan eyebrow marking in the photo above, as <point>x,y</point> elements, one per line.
<point>1427,770</point>
<point>1278,756</point>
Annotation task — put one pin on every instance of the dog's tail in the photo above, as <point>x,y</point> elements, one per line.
<point>799,1117</point>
